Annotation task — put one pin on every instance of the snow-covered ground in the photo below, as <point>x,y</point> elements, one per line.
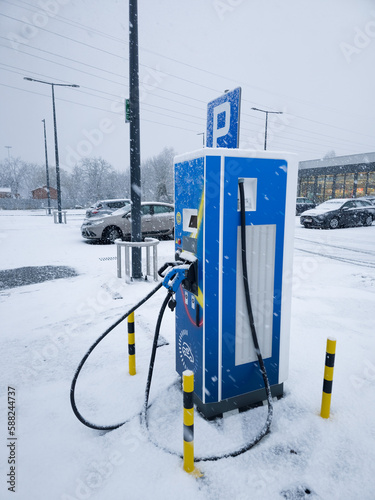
<point>47,327</point>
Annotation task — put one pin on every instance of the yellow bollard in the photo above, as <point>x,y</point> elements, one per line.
<point>188,388</point>
<point>328,377</point>
<point>131,344</point>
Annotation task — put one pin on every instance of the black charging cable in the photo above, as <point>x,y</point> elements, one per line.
<point>170,300</point>
<point>267,425</point>
<point>77,413</point>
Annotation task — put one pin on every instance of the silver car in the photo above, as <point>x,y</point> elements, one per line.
<point>103,207</point>
<point>157,220</point>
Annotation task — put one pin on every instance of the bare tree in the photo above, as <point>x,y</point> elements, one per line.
<point>329,154</point>
<point>12,173</point>
<point>157,176</point>
<point>34,176</point>
<point>96,172</point>
<point>92,179</point>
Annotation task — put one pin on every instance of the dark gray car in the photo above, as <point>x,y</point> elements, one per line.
<point>157,220</point>
<point>339,213</point>
<point>303,204</point>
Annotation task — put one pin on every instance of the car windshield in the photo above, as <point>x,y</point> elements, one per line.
<point>330,204</point>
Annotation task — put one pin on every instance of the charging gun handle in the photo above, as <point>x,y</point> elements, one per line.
<point>175,277</point>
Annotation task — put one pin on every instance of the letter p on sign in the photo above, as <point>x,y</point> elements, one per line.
<point>223,120</point>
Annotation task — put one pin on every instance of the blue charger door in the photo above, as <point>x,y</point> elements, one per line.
<point>265,192</point>
<point>189,208</point>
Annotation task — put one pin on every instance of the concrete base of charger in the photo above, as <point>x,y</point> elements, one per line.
<point>241,403</point>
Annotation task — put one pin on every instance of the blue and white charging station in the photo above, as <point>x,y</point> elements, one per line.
<point>213,337</point>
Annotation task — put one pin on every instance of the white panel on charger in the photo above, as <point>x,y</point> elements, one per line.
<point>260,243</point>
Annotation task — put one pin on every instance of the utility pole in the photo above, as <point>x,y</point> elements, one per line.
<point>58,186</point>
<point>47,172</point>
<point>265,131</point>
<point>135,156</point>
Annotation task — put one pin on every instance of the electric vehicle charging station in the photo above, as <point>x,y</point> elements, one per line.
<point>230,283</point>
<point>213,337</point>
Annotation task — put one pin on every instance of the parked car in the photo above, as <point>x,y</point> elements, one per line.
<point>303,204</point>
<point>103,207</point>
<point>370,199</point>
<point>339,212</point>
<point>157,220</point>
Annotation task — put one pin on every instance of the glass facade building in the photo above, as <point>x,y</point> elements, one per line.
<point>338,177</point>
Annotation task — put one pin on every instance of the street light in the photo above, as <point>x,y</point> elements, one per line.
<point>202,134</point>
<point>47,172</point>
<point>8,148</point>
<point>58,186</point>
<point>267,113</point>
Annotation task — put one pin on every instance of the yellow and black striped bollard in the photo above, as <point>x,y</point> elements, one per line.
<point>188,388</point>
<point>328,377</point>
<point>131,344</point>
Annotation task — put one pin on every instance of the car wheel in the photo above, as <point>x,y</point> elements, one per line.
<point>334,223</point>
<point>111,234</point>
<point>367,220</point>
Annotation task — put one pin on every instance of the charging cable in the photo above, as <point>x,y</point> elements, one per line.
<point>173,274</point>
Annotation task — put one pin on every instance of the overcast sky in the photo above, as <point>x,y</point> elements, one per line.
<point>311,59</point>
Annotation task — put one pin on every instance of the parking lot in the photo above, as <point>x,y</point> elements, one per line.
<point>49,325</point>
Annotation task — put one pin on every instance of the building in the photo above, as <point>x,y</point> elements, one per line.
<point>338,177</point>
<point>5,192</point>
<point>40,193</point>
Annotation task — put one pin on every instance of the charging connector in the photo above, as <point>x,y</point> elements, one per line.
<point>190,283</point>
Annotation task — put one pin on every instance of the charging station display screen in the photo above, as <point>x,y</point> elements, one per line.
<point>190,220</point>
<point>193,221</point>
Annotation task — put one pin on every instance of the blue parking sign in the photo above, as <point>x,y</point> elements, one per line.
<point>223,120</point>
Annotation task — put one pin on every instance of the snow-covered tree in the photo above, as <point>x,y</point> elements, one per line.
<point>329,154</point>
<point>12,172</point>
<point>157,177</point>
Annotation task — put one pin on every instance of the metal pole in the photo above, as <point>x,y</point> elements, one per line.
<point>265,133</point>
<point>135,157</point>
<point>265,130</point>
<point>55,129</point>
<point>58,185</point>
<point>131,344</point>
<point>188,424</point>
<point>328,377</point>
<point>47,172</point>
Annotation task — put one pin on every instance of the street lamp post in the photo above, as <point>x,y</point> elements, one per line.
<point>58,186</point>
<point>267,113</point>
<point>8,148</point>
<point>202,134</point>
<point>47,172</point>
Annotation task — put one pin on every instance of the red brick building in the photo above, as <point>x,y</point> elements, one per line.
<point>5,192</point>
<point>40,193</point>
